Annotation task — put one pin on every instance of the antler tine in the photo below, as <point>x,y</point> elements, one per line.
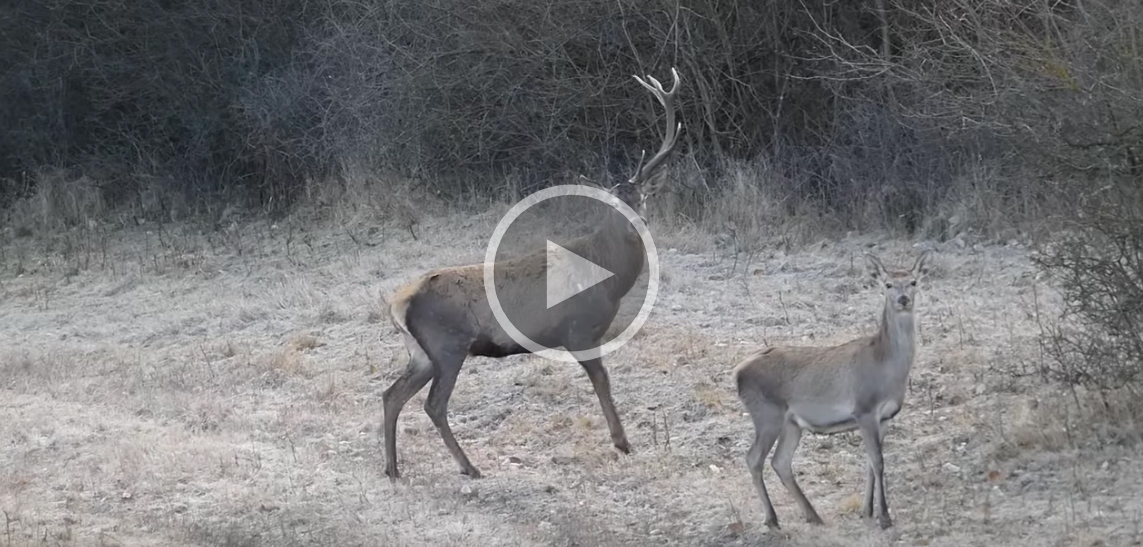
<point>639,170</point>
<point>666,98</point>
<point>657,88</point>
<point>658,85</point>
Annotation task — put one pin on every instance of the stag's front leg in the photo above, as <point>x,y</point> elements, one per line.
<point>602,385</point>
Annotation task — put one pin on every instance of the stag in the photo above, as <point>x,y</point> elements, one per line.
<point>444,315</point>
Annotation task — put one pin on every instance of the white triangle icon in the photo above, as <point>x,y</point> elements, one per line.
<point>569,274</point>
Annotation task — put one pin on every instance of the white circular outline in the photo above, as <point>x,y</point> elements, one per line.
<point>652,263</point>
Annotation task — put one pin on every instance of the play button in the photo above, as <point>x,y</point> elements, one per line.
<point>569,274</point>
<point>567,268</point>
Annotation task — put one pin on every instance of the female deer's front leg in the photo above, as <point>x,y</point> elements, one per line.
<point>871,436</point>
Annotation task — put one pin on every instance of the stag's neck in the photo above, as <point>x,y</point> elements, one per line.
<point>617,247</point>
<point>897,337</point>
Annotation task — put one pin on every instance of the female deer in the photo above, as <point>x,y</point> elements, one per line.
<point>857,385</point>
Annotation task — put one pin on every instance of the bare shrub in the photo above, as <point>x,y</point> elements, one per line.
<point>59,200</point>
<point>1097,342</point>
<point>876,114</point>
<point>1094,347</point>
<point>752,204</point>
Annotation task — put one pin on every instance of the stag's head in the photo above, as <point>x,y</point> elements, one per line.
<point>900,287</point>
<point>649,176</point>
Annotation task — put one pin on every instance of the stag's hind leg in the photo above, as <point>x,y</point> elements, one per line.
<point>416,375</point>
<point>447,363</point>
<point>767,418</point>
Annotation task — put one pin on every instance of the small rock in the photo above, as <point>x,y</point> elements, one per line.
<point>950,468</point>
<point>716,469</point>
<point>467,490</point>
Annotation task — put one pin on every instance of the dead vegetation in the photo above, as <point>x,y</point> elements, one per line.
<point>234,399</point>
<point>935,117</point>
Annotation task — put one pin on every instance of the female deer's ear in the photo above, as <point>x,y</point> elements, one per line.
<point>875,268</point>
<point>920,266</point>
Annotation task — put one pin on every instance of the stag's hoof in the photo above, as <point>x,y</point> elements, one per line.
<point>392,473</point>
<point>623,446</point>
<point>814,519</point>
<point>472,472</point>
<point>885,522</point>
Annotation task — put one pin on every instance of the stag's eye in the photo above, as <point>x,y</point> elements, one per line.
<point>888,285</point>
<point>913,283</point>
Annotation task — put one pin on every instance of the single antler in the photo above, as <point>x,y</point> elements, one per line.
<point>667,99</point>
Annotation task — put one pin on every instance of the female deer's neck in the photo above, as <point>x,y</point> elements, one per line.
<point>897,333</point>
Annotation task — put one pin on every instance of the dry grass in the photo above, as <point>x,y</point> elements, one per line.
<point>234,399</point>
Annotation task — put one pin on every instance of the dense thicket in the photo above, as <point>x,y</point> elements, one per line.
<point>889,101</point>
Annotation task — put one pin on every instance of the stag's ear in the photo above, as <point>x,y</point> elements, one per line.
<point>875,269</point>
<point>654,184</point>
<point>584,181</point>
<point>920,267</point>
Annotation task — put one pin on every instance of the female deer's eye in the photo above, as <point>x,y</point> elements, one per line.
<point>913,283</point>
<point>888,285</point>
